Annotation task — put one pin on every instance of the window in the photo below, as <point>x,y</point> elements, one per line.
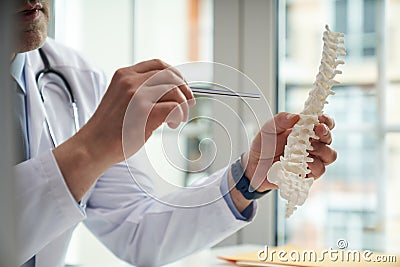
<point>357,19</point>
<point>355,198</point>
<point>175,31</point>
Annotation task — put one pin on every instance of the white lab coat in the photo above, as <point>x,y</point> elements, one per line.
<point>135,226</point>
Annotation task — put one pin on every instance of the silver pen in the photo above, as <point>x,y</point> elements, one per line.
<point>215,89</point>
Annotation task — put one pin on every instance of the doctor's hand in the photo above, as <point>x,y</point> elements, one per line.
<point>261,156</point>
<point>138,100</point>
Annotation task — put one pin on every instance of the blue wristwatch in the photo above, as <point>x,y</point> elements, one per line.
<point>243,183</point>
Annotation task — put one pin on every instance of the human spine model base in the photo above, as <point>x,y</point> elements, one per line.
<point>290,173</point>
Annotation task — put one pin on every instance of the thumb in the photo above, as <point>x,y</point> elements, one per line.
<point>281,122</point>
<point>267,143</point>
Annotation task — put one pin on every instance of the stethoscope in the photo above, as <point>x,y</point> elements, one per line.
<point>66,87</point>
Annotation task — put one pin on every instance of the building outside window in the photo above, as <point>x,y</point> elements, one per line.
<point>357,19</point>
<point>355,199</point>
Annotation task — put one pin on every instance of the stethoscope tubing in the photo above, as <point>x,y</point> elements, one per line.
<point>48,70</point>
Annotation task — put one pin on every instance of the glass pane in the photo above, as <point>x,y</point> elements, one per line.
<point>393,65</point>
<point>357,19</point>
<point>370,13</point>
<point>351,179</point>
<point>341,15</point>
<point>348,202</point>
<point>393,35</point>
<point>175,31</point>
<point>392,185</point>
<point>392,104</point>
<point>106,42</point>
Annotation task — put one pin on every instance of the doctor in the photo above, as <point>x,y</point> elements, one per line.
<point>79,177</point>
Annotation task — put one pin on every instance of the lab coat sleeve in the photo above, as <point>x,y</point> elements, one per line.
<point>45,207</point>
<point>146,230</point>
<point>246,213</point>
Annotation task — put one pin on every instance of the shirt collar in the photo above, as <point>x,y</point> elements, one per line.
<point>17,70</point>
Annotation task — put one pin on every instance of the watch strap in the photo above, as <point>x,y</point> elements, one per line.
<point>242,183</point>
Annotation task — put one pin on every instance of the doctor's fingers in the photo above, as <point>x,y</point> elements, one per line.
<point>317,168</point>
<point>324,133</point>
<point>167,93</point>
<point>324,152</point>
<point>162,73</point>
<point>328,121</point>
<point>169,112</point>
<point>152,76</point>
<point>149,65</point>
<point>152,64</point>
<point>168,76</point>
<point>280,123</point>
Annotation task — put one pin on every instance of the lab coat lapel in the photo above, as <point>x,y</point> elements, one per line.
<point>39,138</point>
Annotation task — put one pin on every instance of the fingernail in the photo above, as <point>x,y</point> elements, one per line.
<point>172,125</point>
<point>326,130</point>
<point>192,102</point>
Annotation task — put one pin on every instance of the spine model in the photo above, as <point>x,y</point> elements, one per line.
<point>290,173</point>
